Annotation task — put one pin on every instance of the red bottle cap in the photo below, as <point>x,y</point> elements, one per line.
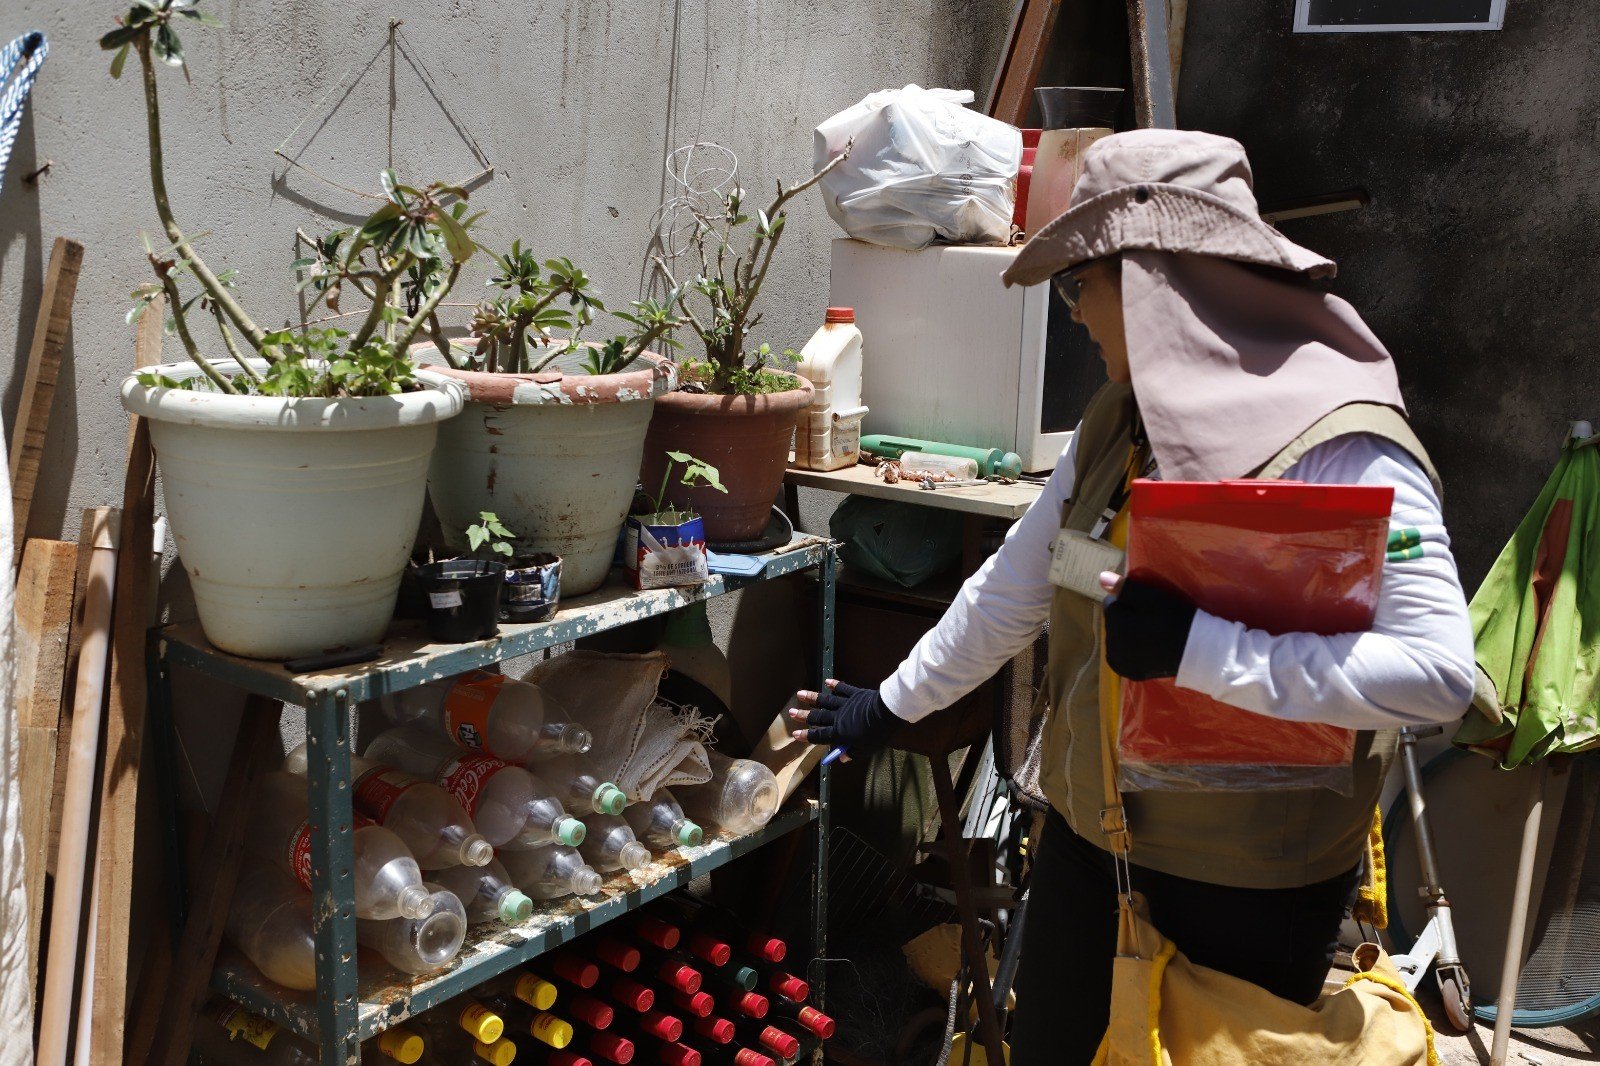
<point>612,1047</point>
<point>677,975</point>
<point>751,1057</point>
<point>750,1004</point>
<point>661,1026</point>
<point>663,935</point>
<point>565,1058</point>
<point>766,947</point>
<point>616,953</point>
<point>720,1030</point>
<point>631,994</point>
<point>705,946</point>
<point>840,314</point>
<point>590,1011</point>
<point>780,1041</point>
<point>817,1022</point>
<point>580,972</point>
<point>678,1055</point>
<point>789,987</point>
<point>699,1004</point>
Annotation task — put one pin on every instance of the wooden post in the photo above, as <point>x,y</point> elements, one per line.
<point>1022,60</point>
<point>1152,64</point>
<point>39,382</point>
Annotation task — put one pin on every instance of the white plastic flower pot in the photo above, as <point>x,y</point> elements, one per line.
<point>293,518</point>
<point>555,456</point>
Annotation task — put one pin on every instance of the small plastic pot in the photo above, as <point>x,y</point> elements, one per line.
<point>532,588</point>
<point>463,599</point>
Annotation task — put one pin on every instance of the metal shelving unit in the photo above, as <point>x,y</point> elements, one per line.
<point>349,1006</point>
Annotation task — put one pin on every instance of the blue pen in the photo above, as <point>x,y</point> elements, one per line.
<point>834,756</point>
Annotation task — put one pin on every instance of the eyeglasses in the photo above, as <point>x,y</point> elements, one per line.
<point>1067,286</point>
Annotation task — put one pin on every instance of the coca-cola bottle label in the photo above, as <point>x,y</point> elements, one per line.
<point>465,775</point>
<point>466,708</point>
<point>378,788</point>
<point>300,848</point>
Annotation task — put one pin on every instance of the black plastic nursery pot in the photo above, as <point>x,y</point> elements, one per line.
<point>532,588</point>
<point>463,597</point>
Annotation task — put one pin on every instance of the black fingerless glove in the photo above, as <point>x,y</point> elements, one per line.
<point>850,717</point>
<point>1147,629</point>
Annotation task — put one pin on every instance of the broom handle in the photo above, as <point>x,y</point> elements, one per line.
<point>1511,967</point>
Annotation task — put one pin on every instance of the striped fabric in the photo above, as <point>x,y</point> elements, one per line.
<point>19,62</point>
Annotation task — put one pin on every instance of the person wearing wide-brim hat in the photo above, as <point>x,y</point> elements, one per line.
<point>1225,361</point>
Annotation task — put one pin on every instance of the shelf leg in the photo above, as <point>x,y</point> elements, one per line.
<point>819,884</point>
<point>332,876</point>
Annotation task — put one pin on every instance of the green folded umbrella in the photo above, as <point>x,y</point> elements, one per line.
<point>1536,621</point>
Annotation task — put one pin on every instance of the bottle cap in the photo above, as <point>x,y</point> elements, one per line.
<point>790,987</point>
<point>632,994</point>
<point>743,977</point>
<point>570,832</point>
<point>699,1004</point>
<point>501,1052</point>
<point>549,1029</point>
<point>591,1011</point>
<point>609,799</point>
<point>634,856</point>
<point>817,1022</point>
<point>780,1041</point>
<point>481,1023</point>
<point>839,314</point>
<point>566,1058</point>
<point>720,1030</point>
<point>751,1057</point>
<point>689,835</point>
<point>535,991</point>
<point>515,907</point>
<point>654,931</point>
<point>611,1046</point>
<point>678,1055</point>
<point>615,953</point>
<point>765,947</point>
<point>750,1004</point>
<point>401,1045</point>
<point>580,972</point>
<point>661,1026</point>
<point>716,952</point>
<point>676,975</point>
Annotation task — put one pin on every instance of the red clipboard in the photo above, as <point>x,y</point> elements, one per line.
<point>1282,556</point>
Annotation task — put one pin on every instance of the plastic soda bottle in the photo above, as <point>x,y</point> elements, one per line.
<point>551,872</point>
<point>418,945</point>
<point>578,781</point>
<point>741,797</point>
<point>270,921</point>
<point>661,823</point>
<point>611,845</point>
<point>510,719</point>
<point>487,893</point>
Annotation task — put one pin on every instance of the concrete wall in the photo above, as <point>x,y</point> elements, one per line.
<point>1475,262</point>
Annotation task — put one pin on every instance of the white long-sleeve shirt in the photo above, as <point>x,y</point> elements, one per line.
<point>1413,667</point>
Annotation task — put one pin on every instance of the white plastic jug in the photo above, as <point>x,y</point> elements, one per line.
<point>828,433</point>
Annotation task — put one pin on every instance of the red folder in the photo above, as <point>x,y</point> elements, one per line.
<point>1282,556</point>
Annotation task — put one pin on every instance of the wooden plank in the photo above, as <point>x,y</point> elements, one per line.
<point>39,383</point>
<point>256,749</point>
<point>85,549</point>
<point>994,500</point>
<point>1177,22</point>
<point>43,624</point>
<point>1152,64</point>
<point>1024,58</point>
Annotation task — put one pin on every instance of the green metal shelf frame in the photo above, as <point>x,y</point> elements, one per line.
<point>336,1016</point>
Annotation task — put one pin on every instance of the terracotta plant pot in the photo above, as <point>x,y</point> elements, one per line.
<point>746,438</point>
<point>555,455</point>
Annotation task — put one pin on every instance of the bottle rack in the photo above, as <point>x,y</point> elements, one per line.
<point>349,1006</point>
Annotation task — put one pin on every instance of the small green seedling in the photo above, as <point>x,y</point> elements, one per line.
<point>694,472</point>
<point>490,531</point>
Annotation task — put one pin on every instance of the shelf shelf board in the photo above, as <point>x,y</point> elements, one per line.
<point>993,500</point>
<point>409,659</point>
<point>388,998</point>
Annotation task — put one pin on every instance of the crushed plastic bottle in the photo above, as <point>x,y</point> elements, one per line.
<point>611,845</point>
<point>270,921</point>
<point>510,806</point>
<point>430,822</point>
<point>419,945</point>
<point>487,893</point>
<point>388,880</point>
<point>661,823</point>
<point>551,872</point>
<point>578,781</point>
<point>741,797</point>
<point>510,719</point>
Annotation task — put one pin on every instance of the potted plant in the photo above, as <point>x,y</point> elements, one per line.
<point>733,406</point>
<point>554,427</point>
<point>463,594</point>
<point>294,461</point>
<point>665,545</point>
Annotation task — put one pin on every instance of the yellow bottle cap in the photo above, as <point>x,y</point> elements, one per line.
<point>483,1024</point>
<point>401,1045</point>
<point>501,1052</point>
<point>536,992</point>
<point>551,1030</point>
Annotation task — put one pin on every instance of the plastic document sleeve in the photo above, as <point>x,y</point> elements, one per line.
<point>1284,557</point>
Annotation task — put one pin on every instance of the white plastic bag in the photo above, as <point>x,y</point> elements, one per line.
<point>922,167</point>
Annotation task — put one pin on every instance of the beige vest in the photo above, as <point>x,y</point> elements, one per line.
<point>1243,839</point>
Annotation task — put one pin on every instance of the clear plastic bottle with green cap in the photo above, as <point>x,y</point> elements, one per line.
<point>660,822</point>
<point>512,807</point>
<point>487,893</point>
<point>419,945</point>
<point>741,797</point>
<point>581,785</point>
<point>611,845</point>
<point>551,872</point>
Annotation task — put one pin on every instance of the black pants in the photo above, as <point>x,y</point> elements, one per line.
<point>1281,939</point>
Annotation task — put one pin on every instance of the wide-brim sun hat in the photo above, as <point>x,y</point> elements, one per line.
<point>1164,191</point>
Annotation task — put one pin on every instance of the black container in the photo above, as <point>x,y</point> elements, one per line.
<point>532,589</point>
<point>1077,107</point>
<point>463,599</point>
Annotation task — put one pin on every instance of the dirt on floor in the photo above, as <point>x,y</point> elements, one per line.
<point>1578,1043</point>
